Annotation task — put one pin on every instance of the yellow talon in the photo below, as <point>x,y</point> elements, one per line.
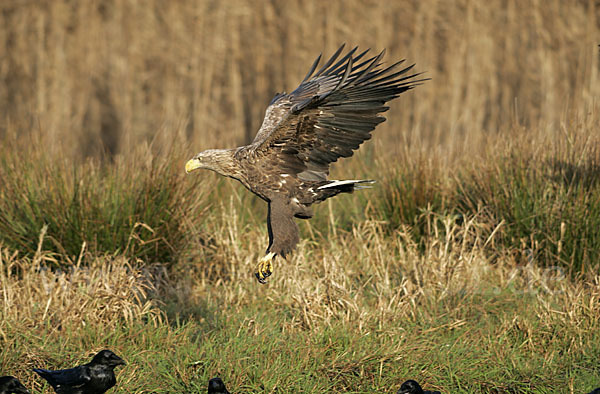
<point>264,267</point>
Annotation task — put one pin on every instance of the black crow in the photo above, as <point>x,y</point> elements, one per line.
<point>95,377</point>
<point>596,391</point>
<point>216,386</point>
<point>412,387</point>
<point>10,385</point>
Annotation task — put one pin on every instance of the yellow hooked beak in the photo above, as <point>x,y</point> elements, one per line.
<point>191,165</point>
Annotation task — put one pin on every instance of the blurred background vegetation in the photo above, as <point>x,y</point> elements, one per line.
<point>99,77</point>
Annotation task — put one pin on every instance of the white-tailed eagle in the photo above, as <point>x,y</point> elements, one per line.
<point>328,116</point>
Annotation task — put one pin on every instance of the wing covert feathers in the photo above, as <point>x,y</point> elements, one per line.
<point>329,115</point>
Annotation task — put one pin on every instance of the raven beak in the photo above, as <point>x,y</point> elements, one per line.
<point>191,165</point>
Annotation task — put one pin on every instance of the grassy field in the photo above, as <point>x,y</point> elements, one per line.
<point>473,266</point>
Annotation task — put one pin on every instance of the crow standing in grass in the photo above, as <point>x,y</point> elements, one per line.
<point>327,117</point>
<point>216,386</point>
<point>95,377</point>
<point>595,391</point>
<point>412,387</point>
<point>11,385</point>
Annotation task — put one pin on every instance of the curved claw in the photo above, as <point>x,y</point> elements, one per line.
<point>264,269</point>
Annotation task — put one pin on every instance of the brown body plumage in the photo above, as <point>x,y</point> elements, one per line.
<point>327,117</point>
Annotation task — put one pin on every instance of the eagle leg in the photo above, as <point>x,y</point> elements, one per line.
<point>265,267</point>
<point>283,236</point>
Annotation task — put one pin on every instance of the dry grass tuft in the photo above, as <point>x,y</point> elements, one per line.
<point>104,294</point>
<point>370,278</point>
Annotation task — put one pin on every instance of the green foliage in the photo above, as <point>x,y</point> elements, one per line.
<point>551,209</point>
<point>407,194</point>
<point>144,206</point>
<point>138,206</point>
<point>548,208</point>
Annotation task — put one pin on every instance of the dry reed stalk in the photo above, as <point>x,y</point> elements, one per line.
<point>96,77</point>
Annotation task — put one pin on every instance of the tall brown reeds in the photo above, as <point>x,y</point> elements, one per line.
<point>100,77</point>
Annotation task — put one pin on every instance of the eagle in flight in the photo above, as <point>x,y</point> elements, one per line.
<point>328,116</point>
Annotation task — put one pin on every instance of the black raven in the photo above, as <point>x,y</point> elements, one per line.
<point>596,391</point>
<point>216,386</point>
<point>95,377</point>
<point>412,387</point>
<point>10,385</point>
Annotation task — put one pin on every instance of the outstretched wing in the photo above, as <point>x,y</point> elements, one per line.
<point>329,115</point>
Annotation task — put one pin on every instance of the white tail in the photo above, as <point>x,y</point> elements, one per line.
<point>355,182</point>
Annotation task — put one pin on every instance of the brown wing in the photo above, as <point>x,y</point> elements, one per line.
<point>328,116</point>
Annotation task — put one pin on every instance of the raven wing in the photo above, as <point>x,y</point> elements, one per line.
<point>73,377</point>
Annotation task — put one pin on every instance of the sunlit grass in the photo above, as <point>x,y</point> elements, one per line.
<point>138,206</point>
<point>359,312</point>
<point>478,278</point>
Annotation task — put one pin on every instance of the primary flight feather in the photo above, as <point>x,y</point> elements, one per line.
<point>327,117</point>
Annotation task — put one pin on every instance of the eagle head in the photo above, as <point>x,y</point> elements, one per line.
<point>219,160</point>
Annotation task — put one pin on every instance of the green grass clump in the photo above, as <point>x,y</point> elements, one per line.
<point>138,206</point>
<point>544,204</point>
<point>408,193</point>
<point>548,210</point>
